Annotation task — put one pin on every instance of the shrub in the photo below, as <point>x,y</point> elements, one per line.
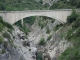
<point>1,39</point>
<point>1,27</point>
<point>76,41</point>
<point>77,34</point>
<point>29,20</point>
<point>49,37</point>
<point>6,35</point>
<point>8,25</point>
<point>69,34</point>
<point>1,20</point>
<point>77,23</point>
<point>5,44</point>
<point>42,41</point>
<point>24,29</point>
<point>72,17</point>
<point>57,27</point>
<point>46,5</point>
<point>10,31</point>
<point>52,20</point>
<point>39,56</point>
<point>48,30</point>
<point>70,54</point>
<point>3,51</point>
<point>5,23</point>
<point>42,23</point>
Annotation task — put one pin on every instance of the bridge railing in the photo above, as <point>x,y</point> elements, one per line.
<point>37,10</point>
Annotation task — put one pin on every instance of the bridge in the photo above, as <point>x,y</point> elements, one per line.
<point>13,16</point>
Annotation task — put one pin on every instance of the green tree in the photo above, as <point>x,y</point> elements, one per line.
<point>77,23</point>
<point>72,17</point>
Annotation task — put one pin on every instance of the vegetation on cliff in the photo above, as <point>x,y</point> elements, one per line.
<point>66,4</point>
<point>13,5</point>
<point>73,36</point>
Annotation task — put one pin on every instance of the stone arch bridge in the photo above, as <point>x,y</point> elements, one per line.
<point>13,16</point>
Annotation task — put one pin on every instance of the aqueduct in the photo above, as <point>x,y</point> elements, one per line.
<point>13,16</point>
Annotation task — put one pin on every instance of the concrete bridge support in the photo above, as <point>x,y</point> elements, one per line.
<point>22,22</point>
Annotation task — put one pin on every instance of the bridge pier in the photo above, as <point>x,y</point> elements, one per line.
<point>22,22</point>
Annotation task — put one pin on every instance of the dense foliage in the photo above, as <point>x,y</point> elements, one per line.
<point>20,5</point>
<point>72,17</point>
<point>65,4</point>
<point>73,36</point>
<point>4,24</point>
<point>27,20</point>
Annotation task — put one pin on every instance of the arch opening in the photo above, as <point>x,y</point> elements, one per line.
<point>32,18</point>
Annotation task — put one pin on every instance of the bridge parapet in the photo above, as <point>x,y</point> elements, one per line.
<point>37,10</point>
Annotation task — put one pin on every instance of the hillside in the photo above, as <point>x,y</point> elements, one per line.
<point>11,5</point>
<point>18,5</point>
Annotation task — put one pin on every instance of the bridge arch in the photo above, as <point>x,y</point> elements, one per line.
<point>39,16</point>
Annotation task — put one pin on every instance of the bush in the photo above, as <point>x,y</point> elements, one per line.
<point>72,17</point>
<point>48,30</point>
<point>1,27</point>
<point>42,24</point>
<point>1,39</point>
<point>49,37</point>
<point>69,34</point>
<point>5,44</point>
<point>77,34</point>
<point>24,29</point>
<point>77,23</point>
<point>29,20</point>
<point>42,41</point>
<point>8,25</point>
<point>70,54</point>
<point>6,35</point>
<point>76,41</point>
<point>10,31</point>
<point>57,27</point>
<point>52,20</point>
<point>1,20</point>
<point>39,56</point>
<point>3,51</point>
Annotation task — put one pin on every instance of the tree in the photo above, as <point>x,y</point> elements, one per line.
<point>41,2</point>
<point>72,17</point>
<point>77,23</point>
<point>46,5</point>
